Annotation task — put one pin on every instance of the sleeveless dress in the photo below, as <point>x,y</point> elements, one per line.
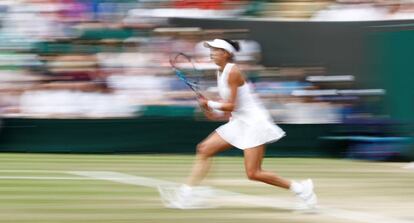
<point>250,124</point>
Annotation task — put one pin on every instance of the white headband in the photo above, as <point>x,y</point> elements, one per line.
<point>221,44</point>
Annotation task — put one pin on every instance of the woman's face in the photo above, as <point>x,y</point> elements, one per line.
<point>219,56</point>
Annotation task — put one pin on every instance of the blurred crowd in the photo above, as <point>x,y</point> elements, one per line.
<point>110,58</point>
<point>314,10</point>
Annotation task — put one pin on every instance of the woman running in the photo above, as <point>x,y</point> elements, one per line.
<point>250,128</point>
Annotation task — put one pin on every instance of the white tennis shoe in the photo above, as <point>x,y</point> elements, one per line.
<point>307,195</point>
<point>186,197</point>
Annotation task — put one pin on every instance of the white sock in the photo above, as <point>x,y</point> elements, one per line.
<point>296,187</point>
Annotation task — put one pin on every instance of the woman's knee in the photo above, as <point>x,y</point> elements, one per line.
<point>253,175</point>
<point>203,150</point>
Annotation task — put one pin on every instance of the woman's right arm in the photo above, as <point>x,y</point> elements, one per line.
<point>211,113</point>
<point>217,115</point>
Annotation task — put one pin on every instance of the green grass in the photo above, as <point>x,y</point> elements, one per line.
<point>367,187</point>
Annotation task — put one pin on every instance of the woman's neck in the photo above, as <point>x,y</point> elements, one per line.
<point>222,66</point>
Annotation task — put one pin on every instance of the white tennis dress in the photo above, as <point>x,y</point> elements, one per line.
<point>250,124</point>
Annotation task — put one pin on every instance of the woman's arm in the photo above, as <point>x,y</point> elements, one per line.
<point>235,80</point>
<point>211,113</point>
<point>217,115</point>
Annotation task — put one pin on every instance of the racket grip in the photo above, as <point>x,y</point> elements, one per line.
<point>200,96</point>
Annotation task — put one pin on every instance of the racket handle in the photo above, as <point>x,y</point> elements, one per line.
<point>200,96</point>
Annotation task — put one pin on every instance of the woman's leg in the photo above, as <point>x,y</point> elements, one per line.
<point>205,150</point>
<point>253,161</point>
<point>253,164</point>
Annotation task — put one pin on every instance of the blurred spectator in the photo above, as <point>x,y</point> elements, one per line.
<point>33,19</point>
<point>351,10</point>
<point>74,103</point>
<point>400,10</point>
<point>187,9</point>
<point>75,11</point>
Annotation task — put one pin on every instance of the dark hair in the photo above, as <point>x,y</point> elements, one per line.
<point>235,44</point>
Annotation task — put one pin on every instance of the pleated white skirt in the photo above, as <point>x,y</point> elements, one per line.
<point>243,135</point>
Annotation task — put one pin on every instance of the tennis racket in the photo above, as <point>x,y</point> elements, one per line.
<point>185,69</point>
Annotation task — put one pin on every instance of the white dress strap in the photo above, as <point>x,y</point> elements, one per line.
<point>226,71</point>
<point>222,81</point>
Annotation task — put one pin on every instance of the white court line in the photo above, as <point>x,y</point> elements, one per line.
<point>239,198</point>
<point>30,171</point>
<point>409,166</point>
<point>40,178</point>
<point>154,183</point>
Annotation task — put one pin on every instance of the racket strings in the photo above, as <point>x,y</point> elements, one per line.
<point>186,70</point>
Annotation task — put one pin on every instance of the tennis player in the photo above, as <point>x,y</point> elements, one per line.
<point>250,128</point>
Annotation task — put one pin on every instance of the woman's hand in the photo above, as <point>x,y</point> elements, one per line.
<point>210,115</point>
<point>203,103</point>
<point>214,116</point>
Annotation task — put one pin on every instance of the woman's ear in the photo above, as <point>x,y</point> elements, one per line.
<point>229,55</point>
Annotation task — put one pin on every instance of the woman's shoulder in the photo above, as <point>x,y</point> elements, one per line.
<point>234,67</point>
<point>235,75</point>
